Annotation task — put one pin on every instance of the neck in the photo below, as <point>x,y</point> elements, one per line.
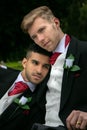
<point>61,35</point>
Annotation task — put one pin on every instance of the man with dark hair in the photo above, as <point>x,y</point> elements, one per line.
<point>20,91</point>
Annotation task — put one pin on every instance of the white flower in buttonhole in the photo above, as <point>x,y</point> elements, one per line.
<point>22,103</point>
<point>23,100</point>
<point>69,64</point>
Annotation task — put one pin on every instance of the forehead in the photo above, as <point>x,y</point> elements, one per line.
<point>37,24</point>
<point>39,57</point>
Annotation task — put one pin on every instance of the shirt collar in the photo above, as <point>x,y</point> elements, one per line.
<point>61,46</point>
<point>31,85</point>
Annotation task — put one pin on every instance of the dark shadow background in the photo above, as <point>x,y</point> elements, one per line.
<point>13,42</point>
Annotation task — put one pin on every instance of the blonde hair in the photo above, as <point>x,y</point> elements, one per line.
<point>42,11</point>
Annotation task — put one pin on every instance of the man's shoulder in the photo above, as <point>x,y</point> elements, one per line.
<point>5,69</point>
<point>3,66</point>
<point>78,40</point>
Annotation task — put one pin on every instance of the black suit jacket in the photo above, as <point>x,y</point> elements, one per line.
<point>21,120</point>
<point>74,85</point>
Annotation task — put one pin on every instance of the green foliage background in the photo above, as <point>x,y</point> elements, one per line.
<point>15,65</point>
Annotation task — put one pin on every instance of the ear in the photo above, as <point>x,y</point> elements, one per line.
<point>57,22</point>
<point>24,61</point>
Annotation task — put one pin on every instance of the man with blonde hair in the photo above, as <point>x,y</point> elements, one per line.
<point>67,86</point>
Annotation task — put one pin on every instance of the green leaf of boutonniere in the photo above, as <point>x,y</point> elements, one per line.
<point>25,107</point>
<point>71,57</point>
<point>22,102</point>
<point>69,64</point>
<point>16,100</point>
<point>75,68</point>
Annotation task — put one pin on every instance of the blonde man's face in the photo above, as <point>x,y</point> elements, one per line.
<point>45,33</point>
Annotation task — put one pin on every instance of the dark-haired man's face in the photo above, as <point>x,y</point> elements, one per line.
<point>36,67</point>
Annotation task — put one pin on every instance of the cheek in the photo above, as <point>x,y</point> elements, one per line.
<point>45,73</point>
<point>37,42</point>
<point>29,68</point>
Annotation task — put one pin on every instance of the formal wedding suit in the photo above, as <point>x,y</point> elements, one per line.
<point>74,84</point>
<point>20,119</point>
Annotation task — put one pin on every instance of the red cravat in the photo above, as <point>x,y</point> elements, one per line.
<point>54,57</point>
<point>56,54</point>
<point>67,40</point>
<point>19,88</point>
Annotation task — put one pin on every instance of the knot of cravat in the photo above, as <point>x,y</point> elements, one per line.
<point>18,88</point>
<point>56,54</point>
<point>54,57</point>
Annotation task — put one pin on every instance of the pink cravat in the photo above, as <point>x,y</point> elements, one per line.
<point>56,54</point>
<point>19,88</point>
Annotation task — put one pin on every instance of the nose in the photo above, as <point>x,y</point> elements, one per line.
<point>39,69</point>
<point>40,38</point>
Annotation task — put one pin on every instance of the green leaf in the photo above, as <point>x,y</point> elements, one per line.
<point>71,57</point>
<point>29,99</point>
<point>75,68</point>
<point>65,67</point>
<point>16,100</point>
<point>25,107</point>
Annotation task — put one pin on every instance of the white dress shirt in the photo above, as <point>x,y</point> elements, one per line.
<point>54,85</point>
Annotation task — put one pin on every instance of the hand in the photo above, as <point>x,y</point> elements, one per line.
<point>77,120</point>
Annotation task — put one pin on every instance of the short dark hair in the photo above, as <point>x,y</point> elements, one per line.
<point>35,48</point>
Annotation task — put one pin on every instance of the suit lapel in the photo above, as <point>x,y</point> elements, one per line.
<point>13,109</point>
<point>41,95</point>
<point>68,78</point>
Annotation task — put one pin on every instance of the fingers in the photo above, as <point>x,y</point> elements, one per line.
<point>83,125</point>
<point>77,120</point>
<point>72,119</point>
<point>82,119</point>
